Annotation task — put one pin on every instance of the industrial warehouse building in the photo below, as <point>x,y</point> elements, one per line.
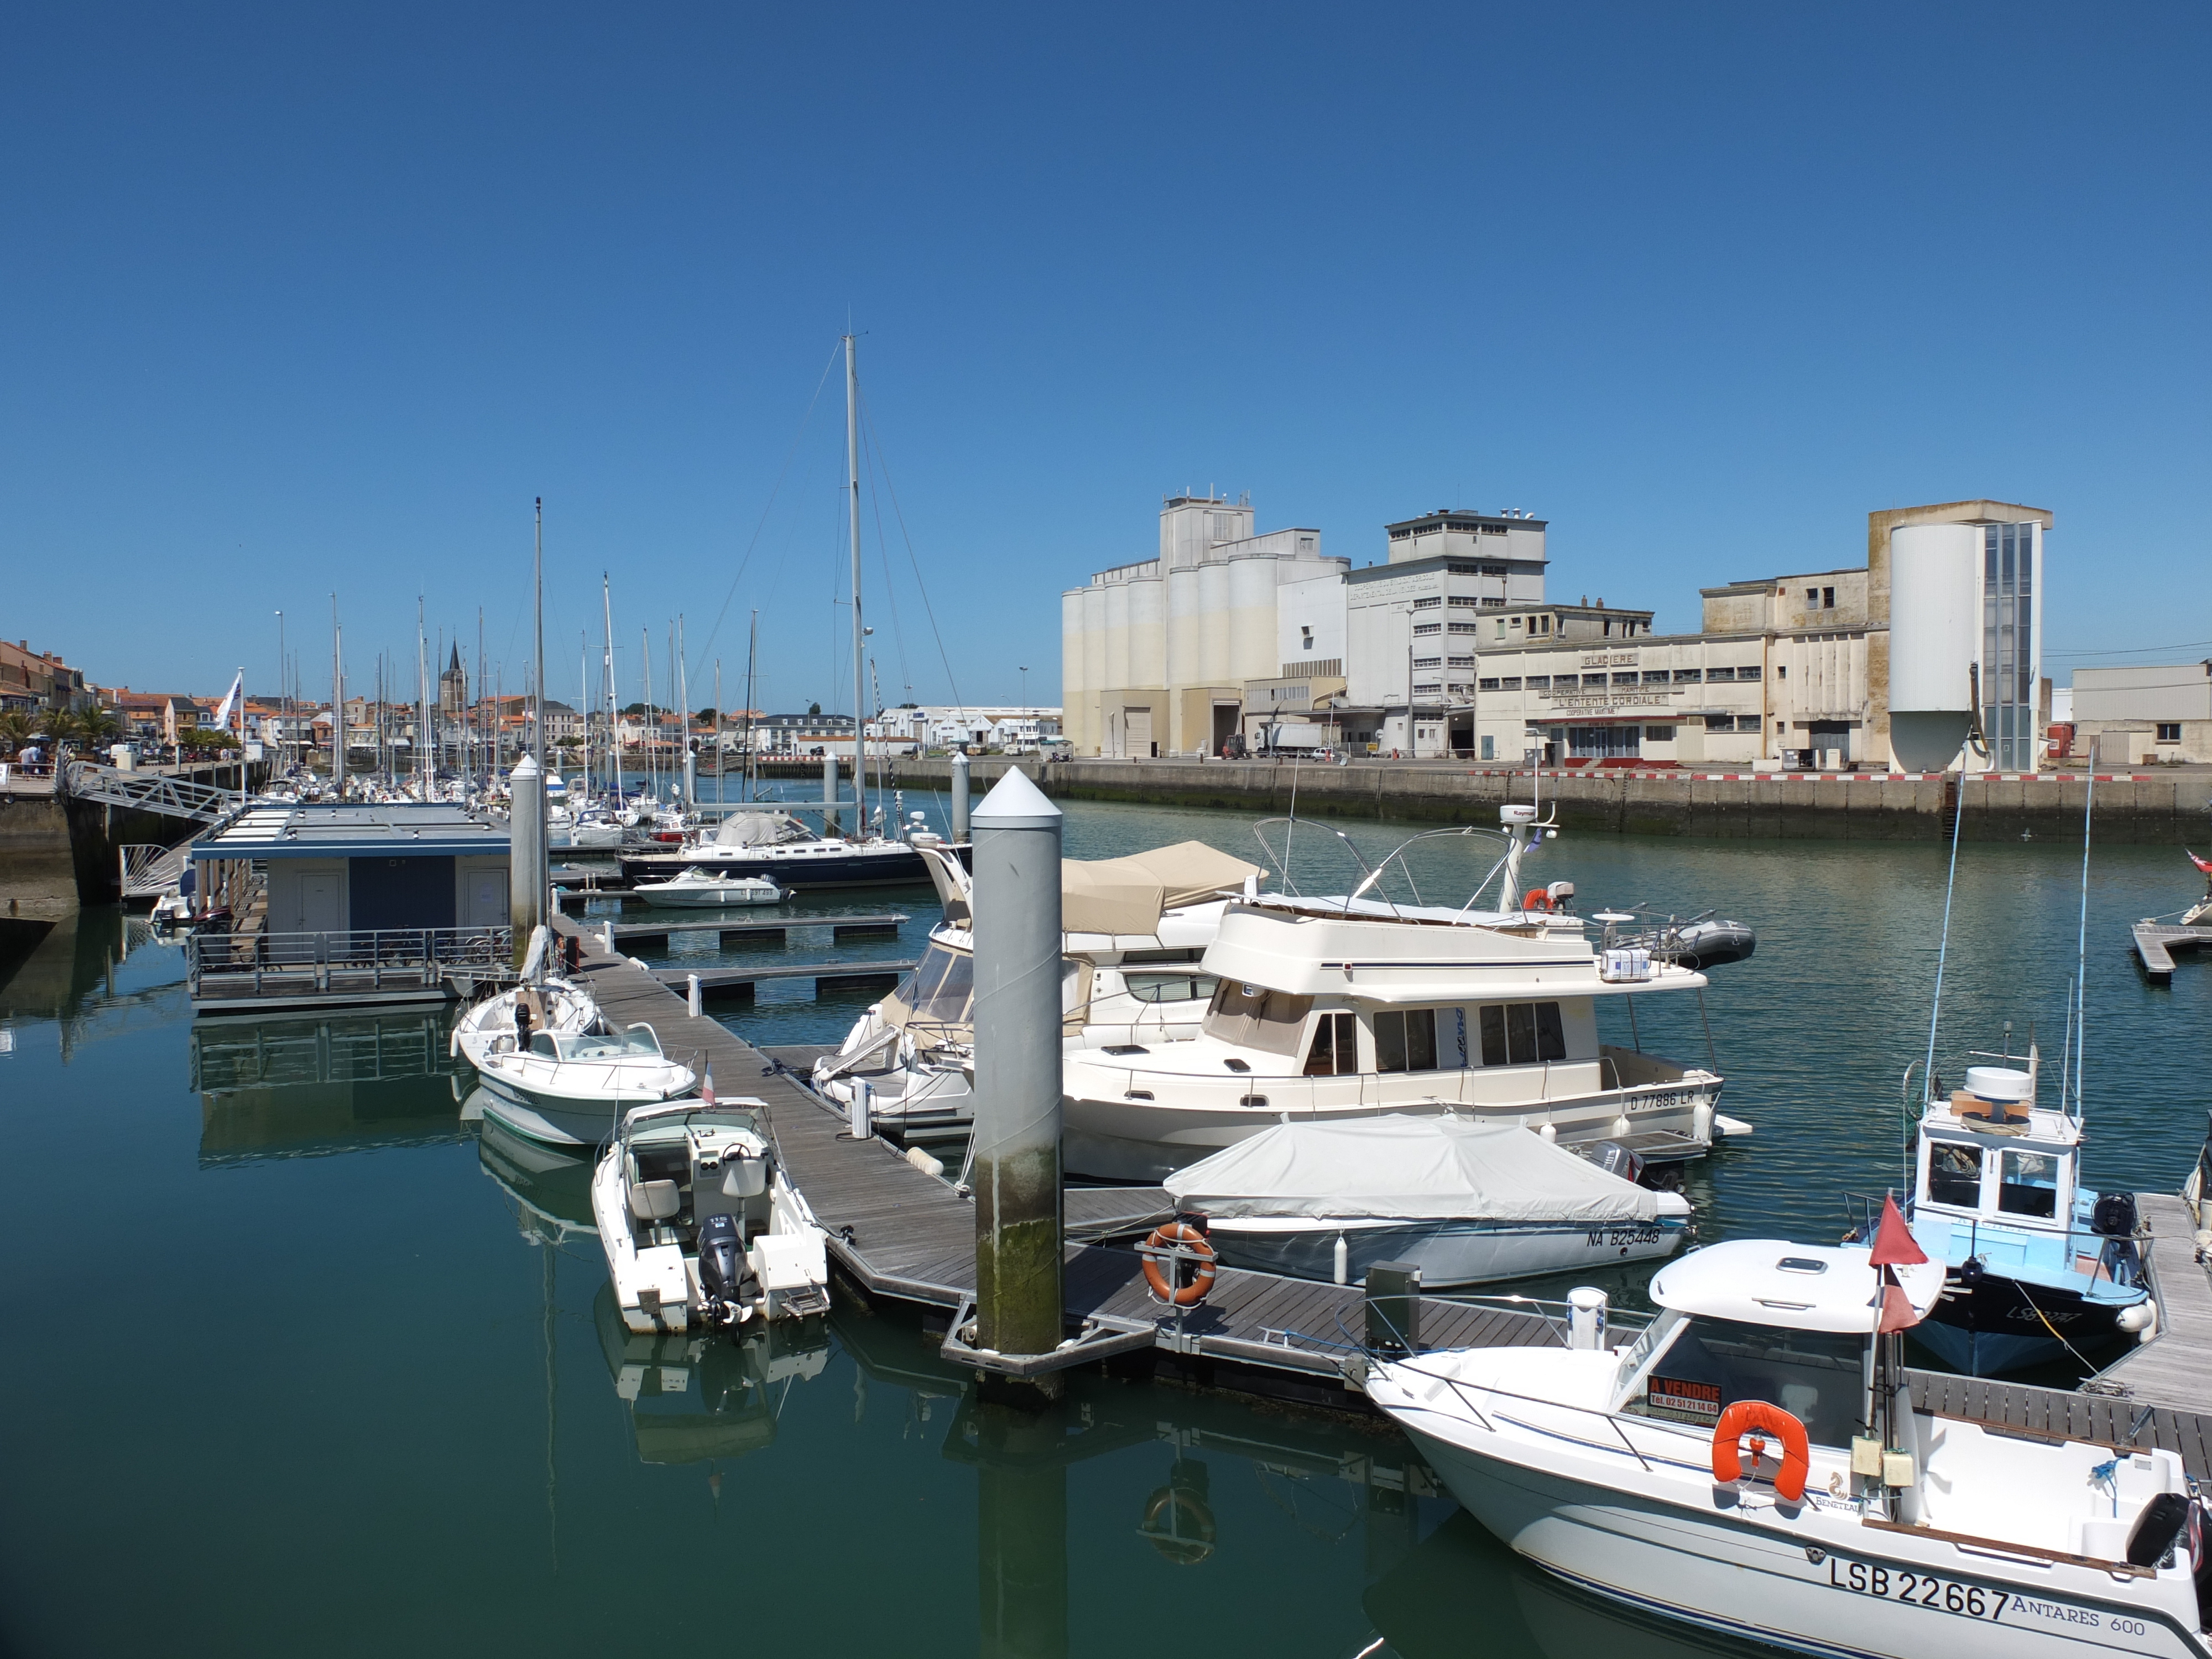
<point>1450,647</point>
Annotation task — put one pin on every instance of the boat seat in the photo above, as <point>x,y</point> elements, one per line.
<point>655,1200</point>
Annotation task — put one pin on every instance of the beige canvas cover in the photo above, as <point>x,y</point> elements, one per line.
<point>1127,895</point>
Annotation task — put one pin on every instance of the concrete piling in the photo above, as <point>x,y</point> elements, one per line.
<point>830,823</point>
<point>959,794</point>
<point>1017,1168</point>
<point>525,872</point>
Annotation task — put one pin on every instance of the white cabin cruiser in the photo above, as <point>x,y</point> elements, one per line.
<point>1884,1531</point>
<point>1136,928</point>
<point>700,1226</point>
<point>1342,1008</point>
<point>698,887</point>
<point>1467,1203</point>
<point>571,1090</point>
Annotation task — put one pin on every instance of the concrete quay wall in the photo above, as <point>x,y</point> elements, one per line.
<point>2150,807</point>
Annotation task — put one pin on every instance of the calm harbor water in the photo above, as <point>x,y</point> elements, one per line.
<point>305,1365</point>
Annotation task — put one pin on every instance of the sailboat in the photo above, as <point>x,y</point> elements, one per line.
<point>867,858</point>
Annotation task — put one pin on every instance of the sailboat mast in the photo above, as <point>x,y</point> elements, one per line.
<point>537,714</point>
<point>607,679</point>
<point>859,675</point>
<point>752,647</point>
<point>690,774</point>
<point>652,725</point>
<point>338,702</point>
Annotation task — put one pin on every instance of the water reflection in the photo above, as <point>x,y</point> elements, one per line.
<point>1462,1593</point>
<point>702,1396</point>
<point>550,1191</point>
<point>65,971</point>
<point>317,1086</point>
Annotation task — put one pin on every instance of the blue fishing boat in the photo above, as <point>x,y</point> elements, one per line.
<point>2039,1269</point>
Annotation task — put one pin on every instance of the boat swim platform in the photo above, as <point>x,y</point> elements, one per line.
<point>741,981</point>
<point>904,1236</point>
<point>733,932</point>
<point>2156,942</point>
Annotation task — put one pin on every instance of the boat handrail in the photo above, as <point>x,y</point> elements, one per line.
<point>1459,1387</point>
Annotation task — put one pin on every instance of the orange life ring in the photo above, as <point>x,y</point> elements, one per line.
<point>1758,1420</point>
<point>1201,1281</point>
<point>1535,899</point>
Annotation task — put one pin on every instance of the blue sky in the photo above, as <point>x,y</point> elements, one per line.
<point>307,299</point>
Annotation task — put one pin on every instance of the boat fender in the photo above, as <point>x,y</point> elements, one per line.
<point>2141,1321</point>
<point>1535,899</point>
<point>1756,1418</point>
<point>1180,1235</point>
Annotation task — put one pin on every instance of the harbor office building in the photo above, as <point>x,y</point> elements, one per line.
<point>362,869</point>
<point>2144,715</point>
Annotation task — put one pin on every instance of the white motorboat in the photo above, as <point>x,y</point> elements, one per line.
<point>559,1006</point>
<point>1339,1008</point>
<point>1135,930</point>
<point>1467,1203</point>
<point>698,887</point>
<point>1881,1530</point>
<point>569,1090</point>
<point>699,1225</point>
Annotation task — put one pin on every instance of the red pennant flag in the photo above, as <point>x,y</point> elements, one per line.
<point>1898,1312</point>
<point>2205,865</point>
<point>1893,1243</point>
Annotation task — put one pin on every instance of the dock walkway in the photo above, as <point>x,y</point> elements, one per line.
<point>908,1236</point>
<point>2156,942</point>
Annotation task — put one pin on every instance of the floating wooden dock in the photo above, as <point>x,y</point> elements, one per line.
<point>910,1236</point>
<point>2157,941</point>
<point>723,981</point>
<point>841,928</point>
<point>906,1236</point>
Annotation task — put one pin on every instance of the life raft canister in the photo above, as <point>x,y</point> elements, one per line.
<point>1535,899</point>
<point>1758,1420</point>
<point>1179,1234</point>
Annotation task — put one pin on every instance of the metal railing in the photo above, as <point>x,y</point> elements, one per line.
<point>150,792</point>
<point>377,960</point>
<point>149,869</point>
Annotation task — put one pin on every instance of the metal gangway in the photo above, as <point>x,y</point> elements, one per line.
<point>151,792</point>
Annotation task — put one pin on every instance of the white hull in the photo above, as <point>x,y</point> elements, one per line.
<point>1823,1584</point>
<point>705,895</point>
<point>1124,1140</point>
<point>1448,1252</point>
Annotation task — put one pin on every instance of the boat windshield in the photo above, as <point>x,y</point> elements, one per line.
<point>640,1040</point>
<point>590,1045</point>
<point>943,984</point>
<point>2027,1184</point>
<point>1819,1378</point>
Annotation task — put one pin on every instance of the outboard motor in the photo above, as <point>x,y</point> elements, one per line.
<point>723,1275</point>
<point>1616,1159</point>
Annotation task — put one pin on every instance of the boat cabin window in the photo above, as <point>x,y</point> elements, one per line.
<point>1171,987</point>
<point>1405,1039</point>
<point>1954,1174</point>
<point>1253,1017</point>
<point>2027,1184</point>
<point>1521,1033</point>
<point>1335,1051</point>
<point>1819,1377</point>
<point>941,987</point>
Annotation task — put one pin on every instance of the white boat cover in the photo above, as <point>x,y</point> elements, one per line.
<point>1127,895</point>
<point>1396,1166</point>
<point>752,829</point>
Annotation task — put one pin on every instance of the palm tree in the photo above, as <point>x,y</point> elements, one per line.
<point>99,726</point>
<point>63,726</point>
<point>16,728</point>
